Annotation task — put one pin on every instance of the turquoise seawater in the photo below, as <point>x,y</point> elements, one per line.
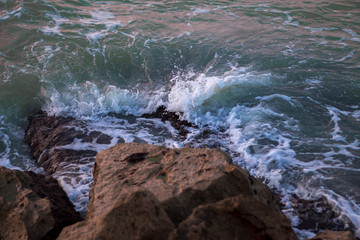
<point>277,82</point>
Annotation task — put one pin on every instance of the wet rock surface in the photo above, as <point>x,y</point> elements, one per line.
<point>49,136</point>
<point>173,118</point>
<point>332,235</point>
<point>66,148</point>
<point>181,187</point>
<point>317,214</point>
<point>32,206</point>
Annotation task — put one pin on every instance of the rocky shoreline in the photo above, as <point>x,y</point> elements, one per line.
<point>33,206</point>
<point>143,191</point>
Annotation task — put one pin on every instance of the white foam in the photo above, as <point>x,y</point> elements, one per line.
<point>154,3</point>
<point>197,11</point>
<point>55,27</point>
<point>289,20</point>
<point>101,15</point>
<point>349,55</point>
<point>160,124</point>
<point>88,100</point>
<point>43,53</point>
<point>76,180</point>
<point>10,156</point>
<point>314,81</point>
<point>17,13</point>
<point>319,29</point>
<point>79,145</point>
<point>349,208</point>
<point>181,35</point>
<point>248,125</point>
<point>351,32</point>
<point>4,155</point>
<point>95,36</point>
<point>335,118</point>
<point>187,95</point>
<point>356,114</point>
<point>152,40</point>
<point>102,18</point>
<point>355,36</point>
<point>281,96</point>
<point>6,16</point>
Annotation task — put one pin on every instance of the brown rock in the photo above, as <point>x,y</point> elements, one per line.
<point>239,217</point>
<point>179,180</point>
<point>135,215</point>
<point>32,206</point>
<point>332,235</point>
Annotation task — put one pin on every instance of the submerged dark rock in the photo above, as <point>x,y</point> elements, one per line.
<point>317,214</point>
<point>173,118</point>
<point>33,206</point>
<point>51,139</point>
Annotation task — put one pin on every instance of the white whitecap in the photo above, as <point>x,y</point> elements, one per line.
<point>187,95</point>
<point>200,10</point>
<point>281,96</point>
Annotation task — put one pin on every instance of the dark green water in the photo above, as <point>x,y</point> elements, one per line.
<point>279,82</point>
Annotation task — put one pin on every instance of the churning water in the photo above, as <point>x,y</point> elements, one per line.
<point>276,84</point>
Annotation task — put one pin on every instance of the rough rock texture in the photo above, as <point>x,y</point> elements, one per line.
<point>181,187</point>
<point>47,136</point>
<point>132,216</point>
<point>32,206</point>
<point>332,235</point>
<point>50,138</point>
<point>237,217</point>
<point>317,214</point>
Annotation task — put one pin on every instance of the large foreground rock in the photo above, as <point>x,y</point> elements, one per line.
<point>144,191</point>
<point>32,206</point>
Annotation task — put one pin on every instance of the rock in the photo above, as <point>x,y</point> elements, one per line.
<point>316,214</point>
<point>66,148</point>
<point>49,138</point>
<point>56,160</point>
<point>239,217</point>
<point>332,235</point>
<point>32,206</point>
<point>135,215</point>
<point>179,183</point>
<point>173,118</point>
